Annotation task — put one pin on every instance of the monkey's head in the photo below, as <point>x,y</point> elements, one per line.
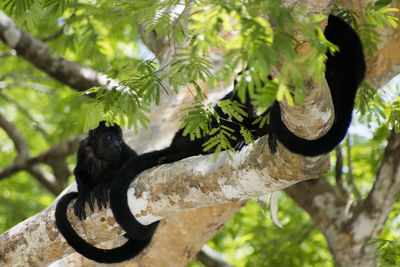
<point>106,142</point>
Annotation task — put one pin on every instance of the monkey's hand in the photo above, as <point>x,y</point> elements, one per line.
<point>100,194</point>
<point>79,206</point>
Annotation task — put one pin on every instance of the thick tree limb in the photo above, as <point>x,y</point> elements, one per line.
<point>164,191</point>
<point>253,172</point>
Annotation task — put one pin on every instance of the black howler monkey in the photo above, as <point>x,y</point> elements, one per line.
<point>344,72</point>
<point>100,155</point>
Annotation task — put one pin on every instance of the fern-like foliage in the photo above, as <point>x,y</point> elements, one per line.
<point>116,105</point>
<point>261,42</point>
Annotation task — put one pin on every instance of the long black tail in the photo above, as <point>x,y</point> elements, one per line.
<point>125,252</point>
<point>344,72</point>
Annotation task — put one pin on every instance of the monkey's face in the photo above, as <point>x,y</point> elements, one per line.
<point>107,146</point>
<point>106,142</point>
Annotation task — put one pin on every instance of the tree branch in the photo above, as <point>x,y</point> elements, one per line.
<point>46,179</point>
<point>61,150</point>
<point>252,172</point>
<point>318,197</point>
<point>54,157</point>
<point>37,52</point>
<point>163,192</point>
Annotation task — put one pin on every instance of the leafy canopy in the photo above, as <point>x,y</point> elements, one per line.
<point>262,38</point>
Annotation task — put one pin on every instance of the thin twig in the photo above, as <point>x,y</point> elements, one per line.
<point>53,36</point>
<point>58,33</point>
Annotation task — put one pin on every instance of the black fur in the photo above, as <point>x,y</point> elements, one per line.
<point>344,72</point>
<point>99,157</point>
